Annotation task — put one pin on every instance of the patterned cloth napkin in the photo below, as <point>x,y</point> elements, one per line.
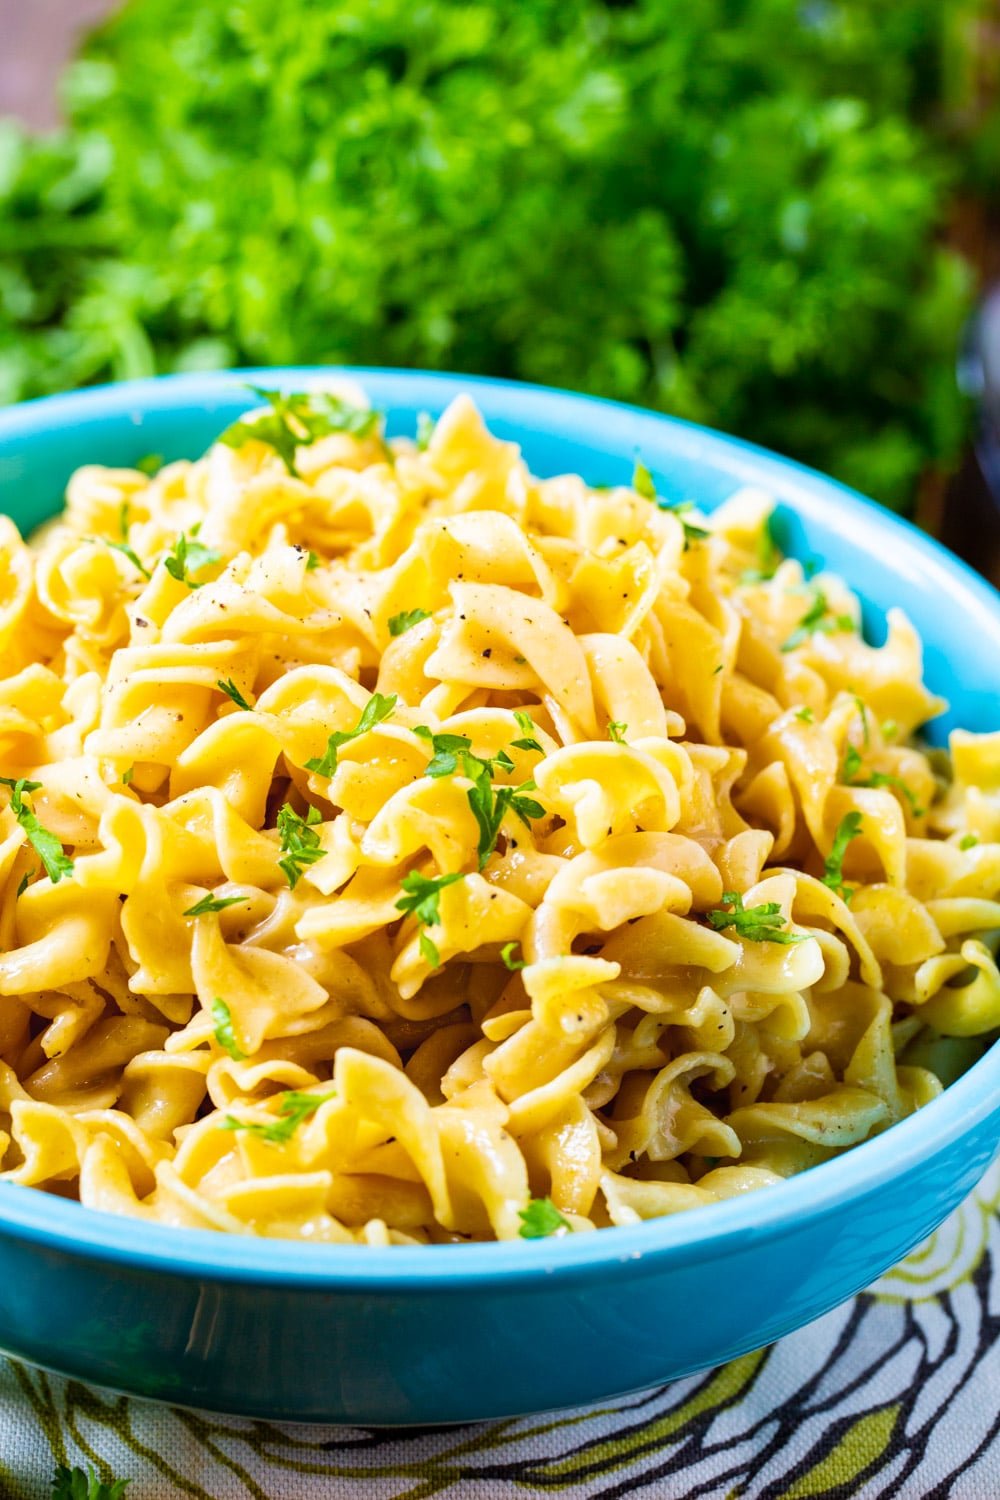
<point>896,1393</point>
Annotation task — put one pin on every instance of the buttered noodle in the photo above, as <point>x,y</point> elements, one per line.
<point>396,847</point>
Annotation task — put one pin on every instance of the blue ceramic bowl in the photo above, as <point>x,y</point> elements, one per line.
<point>445,1334</point>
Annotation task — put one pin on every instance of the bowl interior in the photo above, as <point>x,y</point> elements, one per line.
<point>885,560</point>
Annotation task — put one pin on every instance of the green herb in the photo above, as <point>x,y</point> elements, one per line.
<point>761,924</point>
<point>312,561</point>
<point>300,845</point>
<point>127,776</point>
<point>540,1219</point>
<point>848,828</point>
<point>490,806</point>
<point>447,748</point>
<point>223,1028</point>
<point>718,669</point>
<point>425,430</point>
<point>375,711</point>
<point>805,714</point>
<point>526,725</point>
<point>46,845</point>
<point>850,776</point>
<point>293,1109</point>
<point>617,731</point>
<point>968,841</point>
<point>75,1484</point>
<point>643,483</point>
<point>298,419</point>
<point>399,624</point>
<point>422,898</point>
<point>212,903</point>
<point>863,714</point>
<point>150,464</point>
<point>507,954</point>
<point>22,886</point>
<point>520,661</point>
<point>890,729</point>
<point>189,556</point>
<point>232,691</point>
<point>816,618</point>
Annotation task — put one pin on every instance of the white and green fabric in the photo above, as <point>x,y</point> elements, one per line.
<point>895,1394</point>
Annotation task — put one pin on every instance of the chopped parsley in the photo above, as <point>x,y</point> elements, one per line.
<point>189,556</point>
<point>23,885</point>
<point>644,485</point>
<point>489,804</point>
<point>127,776</point>
<point>425,430</point>
<point>49,849</point>
<point>890,729</point>
<point>863,715</point>
<point>643,482</point>
<point>232,691</point>
<point>150,464</point>
<point>223,1028</point>
<point>851,777</point>
<point>540,1219</point>
<point>300,846</point>
<point>805,714</point>
<point>510,962</point>
<point>401,623</point>
<point>526,725</point>
<point>446,750</point>
<point>617,730</point>
<point>374,712</point>
<point>212,903</point>
<point>312,561</point>
<point>298,419</point>
<point>422,898</point>
<point>768,556</point>
<point>817,617</point>
<point>969,841</point>
<point>75,1484</point>
<point>761,924</point>
<point>848,828</point>
<point>293,1109</point>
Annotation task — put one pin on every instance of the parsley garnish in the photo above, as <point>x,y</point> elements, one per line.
<point>232,691</point>
<point>850,777</point>
<point>300,844</point>
<point>510,962</point>
<point>46,845</point>
<point>212,903</point>
<point>312,561</point>
<point>489,805</point>
<point>863,714</point>
<point>127,776</point>
<point>425,430</point>
<point>643,482</point>
<point>423,898</point>
<point>189,556</point>
<point>617,731</point>
<point>816,618</point>
<point>969,841</point>
<point>890,729</point>
<point>122,545</point>
<point>761,924</point>
<point>75,1484</point>
<point>526,725</point>
<point>848,828</point>
<point>23,885</point>
<point>540,1219</point>
<point>298,419</point>
<point>805,714</point>
<point>399,624</point>
<point>447,748</point>
<point>374,712</point>
<point>223,1028</point>
<point>293,1109</point>
<point>644,485</point>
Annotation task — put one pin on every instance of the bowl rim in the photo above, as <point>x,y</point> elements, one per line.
<point>720,1228</point>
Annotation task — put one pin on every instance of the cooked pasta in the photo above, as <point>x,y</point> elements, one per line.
<point>399,848</point>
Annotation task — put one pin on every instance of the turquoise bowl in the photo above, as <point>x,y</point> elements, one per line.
<point>448,1334</point>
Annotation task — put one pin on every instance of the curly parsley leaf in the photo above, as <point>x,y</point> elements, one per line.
<point>761,924</point>
<point>76,1484</point>
<point>300,845</point>
<point>850,775</point>
<point>189,556</point>
<point>375,711</point>
<point>212,903</point>
<point>422,899</point>
<point>401,623</point>
<point>299,419</point>
<point>526,725</point>
<point>295,1107</point>
<point>540,1219</point>
<point>223,1027</point>
<point>848,828</point>
<point>49,849</point>
<point>232,691</point>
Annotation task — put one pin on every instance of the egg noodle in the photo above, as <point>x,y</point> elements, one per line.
<point>398,848</point>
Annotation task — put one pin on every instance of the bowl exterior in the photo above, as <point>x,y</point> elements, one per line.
<point>458,1334</point>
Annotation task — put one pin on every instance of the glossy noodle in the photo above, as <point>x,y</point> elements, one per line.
<point>398,848</point>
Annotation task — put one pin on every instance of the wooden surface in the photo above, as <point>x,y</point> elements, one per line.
<point>37,38</point>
